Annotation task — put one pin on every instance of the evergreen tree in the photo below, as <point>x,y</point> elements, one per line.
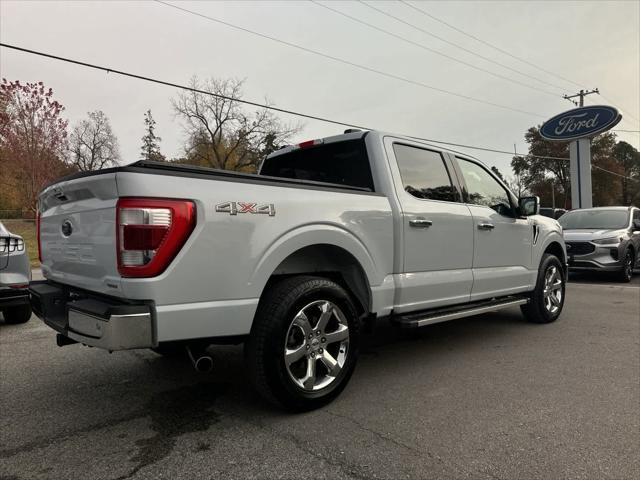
<point>150,141</point>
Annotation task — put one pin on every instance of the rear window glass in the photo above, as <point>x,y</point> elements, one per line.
<point>343,163</point>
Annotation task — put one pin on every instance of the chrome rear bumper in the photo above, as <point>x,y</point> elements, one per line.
<point>98,322</point>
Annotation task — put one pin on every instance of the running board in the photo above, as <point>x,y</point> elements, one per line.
<point>429,317</point>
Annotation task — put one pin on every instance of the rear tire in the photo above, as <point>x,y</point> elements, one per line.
<point>547,300</point>
<point>17,314</point>
<point>304,343</point>
<point>628,262</point>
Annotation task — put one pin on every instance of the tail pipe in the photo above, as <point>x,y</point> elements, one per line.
<point>202,362</point>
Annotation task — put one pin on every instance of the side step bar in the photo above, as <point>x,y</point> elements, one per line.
<point>428,317</point>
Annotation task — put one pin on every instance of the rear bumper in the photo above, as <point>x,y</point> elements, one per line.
<point>96,321</point>
<point>13,297</point>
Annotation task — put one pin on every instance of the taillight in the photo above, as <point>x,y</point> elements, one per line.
<point>38,236</point>
<point>150,232</point>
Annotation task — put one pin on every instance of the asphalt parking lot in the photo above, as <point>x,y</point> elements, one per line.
<point>485,397</point>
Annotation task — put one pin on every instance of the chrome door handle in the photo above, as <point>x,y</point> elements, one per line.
<point>486,226</point>
<point>420,223</point>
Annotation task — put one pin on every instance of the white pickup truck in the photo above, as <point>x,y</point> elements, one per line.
<point>331,234</point>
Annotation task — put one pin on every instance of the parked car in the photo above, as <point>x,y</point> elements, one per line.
<point>15,273</point>
<point>603,239</point>
<point>332,233</point>
<point>554,213</point>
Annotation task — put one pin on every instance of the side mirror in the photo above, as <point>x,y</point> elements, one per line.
<point>529,206</point>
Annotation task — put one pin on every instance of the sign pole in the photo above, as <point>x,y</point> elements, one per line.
<point>580,170</point>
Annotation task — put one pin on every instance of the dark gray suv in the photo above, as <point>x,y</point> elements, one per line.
<point>604,239</point>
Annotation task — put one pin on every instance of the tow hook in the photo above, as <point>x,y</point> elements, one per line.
<point>202,362</point>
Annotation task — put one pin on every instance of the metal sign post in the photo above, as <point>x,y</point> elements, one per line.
<point>580,171</point>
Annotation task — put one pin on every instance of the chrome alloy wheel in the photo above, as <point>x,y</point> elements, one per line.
<point>316,345</point>
<point>552,292</point>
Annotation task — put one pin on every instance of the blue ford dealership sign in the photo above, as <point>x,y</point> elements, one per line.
<point>580,122</point>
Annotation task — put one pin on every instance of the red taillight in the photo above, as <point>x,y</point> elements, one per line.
<point>38,236</point>
<point>150,232</point>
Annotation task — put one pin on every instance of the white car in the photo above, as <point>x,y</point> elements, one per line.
<point>15,274</point>
<point>331,233</point>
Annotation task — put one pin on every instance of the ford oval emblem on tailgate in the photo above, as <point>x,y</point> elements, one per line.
<point>67,228</point>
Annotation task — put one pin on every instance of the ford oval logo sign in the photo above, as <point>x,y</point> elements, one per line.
<point>580,122</point>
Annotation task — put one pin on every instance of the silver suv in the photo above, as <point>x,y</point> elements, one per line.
<point>605,239</point>
<point>15,274</point>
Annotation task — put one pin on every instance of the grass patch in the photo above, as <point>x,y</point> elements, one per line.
<point>27,230</point>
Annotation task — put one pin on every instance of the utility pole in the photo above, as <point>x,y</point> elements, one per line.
<point>581,94</point>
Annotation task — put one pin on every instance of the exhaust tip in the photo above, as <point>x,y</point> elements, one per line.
<point>204,364</point>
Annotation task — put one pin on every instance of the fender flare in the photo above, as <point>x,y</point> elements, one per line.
<point>549,238</point>
<point>307,236</point>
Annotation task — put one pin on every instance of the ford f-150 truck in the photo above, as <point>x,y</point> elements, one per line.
<point>328,236</point>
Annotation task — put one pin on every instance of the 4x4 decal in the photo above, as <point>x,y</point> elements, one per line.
<point>234,208</point>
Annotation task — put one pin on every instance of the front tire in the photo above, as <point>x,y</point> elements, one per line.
<point>304,343</point>
<point>628,262</point>
<point>17,314</point>
<point>547,300</point>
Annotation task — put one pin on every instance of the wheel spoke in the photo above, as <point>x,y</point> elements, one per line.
<point>309,379</point>
<point>330,363</point>
<point>554,300</point>
<point>556,286</point>
<point>338,336</point>
<point>292,356</point>
<point>302,322</point>
<point>325,316</point>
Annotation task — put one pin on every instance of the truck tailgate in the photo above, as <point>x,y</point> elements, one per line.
<point>78,233</point>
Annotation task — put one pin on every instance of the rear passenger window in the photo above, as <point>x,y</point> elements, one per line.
<point>424,174</point>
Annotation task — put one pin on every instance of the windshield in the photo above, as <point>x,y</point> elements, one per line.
<point>596,219</point>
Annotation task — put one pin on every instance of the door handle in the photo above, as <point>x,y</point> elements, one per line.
<point>486,226</point>
<point>420,223</point>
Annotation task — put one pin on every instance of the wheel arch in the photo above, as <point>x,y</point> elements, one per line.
<point>554,247</point>
<point>327,251</point>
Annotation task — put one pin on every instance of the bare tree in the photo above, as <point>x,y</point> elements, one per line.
<point>220,133</point>
<point>92,144</point>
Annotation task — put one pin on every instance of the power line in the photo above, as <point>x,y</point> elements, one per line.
<point>624,118</point>
<point>621,109</point>
<point>477,39</point>
<point>348,62</point>
<point>265,106</point>
<point>245,102</point>
<point>613,173</point>
<point>424,47</point>
<point>453,27</point>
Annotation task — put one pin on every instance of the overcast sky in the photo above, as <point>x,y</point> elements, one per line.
<point>595,44</point>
